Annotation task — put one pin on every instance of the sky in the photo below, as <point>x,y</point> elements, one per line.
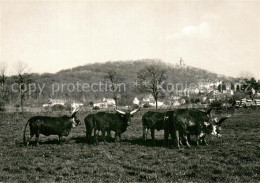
<point>220,36</point>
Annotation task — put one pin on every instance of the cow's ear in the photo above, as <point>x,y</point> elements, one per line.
<point>208,111</point>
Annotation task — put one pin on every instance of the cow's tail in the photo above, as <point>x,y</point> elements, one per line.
<point>24,141</point>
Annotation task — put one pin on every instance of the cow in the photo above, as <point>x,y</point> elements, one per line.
<point>46,125</point>
<point>185,122</point>
<point>107,122</point>
<point>152,120</point>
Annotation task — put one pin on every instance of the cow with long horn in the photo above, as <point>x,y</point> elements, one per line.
<point>186,122</point>
<point>107,122</point>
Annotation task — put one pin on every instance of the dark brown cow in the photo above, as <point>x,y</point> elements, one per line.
<point>46,125</point>
<point>107,122</point>
<point>152,121</point>
<point>186,122</point>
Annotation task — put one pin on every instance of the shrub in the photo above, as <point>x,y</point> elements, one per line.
<point>2,105</point>
<point>57,107</point>
<point>67,106</point>
<point>91,104</point>
<point>96,108</point>
<point>135,106</point>
<point>146,105</point>
<point>216,104</point>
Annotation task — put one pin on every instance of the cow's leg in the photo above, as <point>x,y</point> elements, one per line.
<point>186,140</point>
<point>166,135</point>
<point>103,136</point>
<point>117,136</point>
<point>145,130</point>
<point>204,141</point>
<point>88,135</point>
<point>59,139</point>
<point>109,135</point>
<point>188,136</point>
<point>37,135</point>
<point>197,140</point>
<point>29,139</point>
<point>152,135</point>
<point>181,144</point>
<point>173,138</point>
<point>95,136</point>
<point>177,138</point>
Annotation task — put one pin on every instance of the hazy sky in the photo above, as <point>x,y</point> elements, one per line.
<point>221,36</point>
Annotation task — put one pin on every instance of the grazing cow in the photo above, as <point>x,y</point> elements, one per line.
<point>46,125</point>
<point>185,122</point>
<point>107,122</point>
<point>152,120</point>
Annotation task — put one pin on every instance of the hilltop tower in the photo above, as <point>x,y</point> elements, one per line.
<point>181,62</point>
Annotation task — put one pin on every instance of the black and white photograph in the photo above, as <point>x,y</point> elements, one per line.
<point>129,91</point>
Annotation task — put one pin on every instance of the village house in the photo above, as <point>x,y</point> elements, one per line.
<point>105,103</point>
<point>136,101</point>
<point>150,100</point>
<point>52,102</point>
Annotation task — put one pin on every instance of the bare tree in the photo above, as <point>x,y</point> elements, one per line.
<point>3,89</point>
<point>114,86</point>
<point>246,75</point>
<point>151,79</point>
<point>22,80</point>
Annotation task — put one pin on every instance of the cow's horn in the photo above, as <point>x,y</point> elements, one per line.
<point>134,111</point>
<point>121,112</point>
<point>75,110</point>
<point>223,119</point>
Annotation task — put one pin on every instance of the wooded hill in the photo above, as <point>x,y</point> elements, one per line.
<point>95,73</point>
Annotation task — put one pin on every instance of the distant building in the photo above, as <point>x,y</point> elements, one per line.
<point>136,101</point>
<point>183,101</point>
<point>181,62</point>
<point>150,100</point>
<point>52,102</point>
<point>105,103</point>
<point>75,105</point>
<point>100,105</point>
<point>110,101</point>
<point>176,103</point>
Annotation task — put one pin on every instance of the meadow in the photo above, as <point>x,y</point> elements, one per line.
<point>233,158</point>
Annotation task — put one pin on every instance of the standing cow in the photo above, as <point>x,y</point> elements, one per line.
<point>152,120</point>
<point>185,122</point>
<point>46,125</point>
<point>107,122</point>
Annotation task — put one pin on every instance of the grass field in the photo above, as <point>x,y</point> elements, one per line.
<point>233,158</point>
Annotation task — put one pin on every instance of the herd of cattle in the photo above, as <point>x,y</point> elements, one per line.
<point>179,123</point>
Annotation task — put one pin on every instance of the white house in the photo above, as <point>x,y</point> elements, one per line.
<point>110,101</point>
<point>53,102</point>
<point>176,103</point>
<point>105,103</point>
<point>100,105</point>
<point>136,101</point>
<point>75,105</point>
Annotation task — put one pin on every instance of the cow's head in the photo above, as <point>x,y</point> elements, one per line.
<point>213,124</point>
<point>75,120</point>
<point>127,115</point>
